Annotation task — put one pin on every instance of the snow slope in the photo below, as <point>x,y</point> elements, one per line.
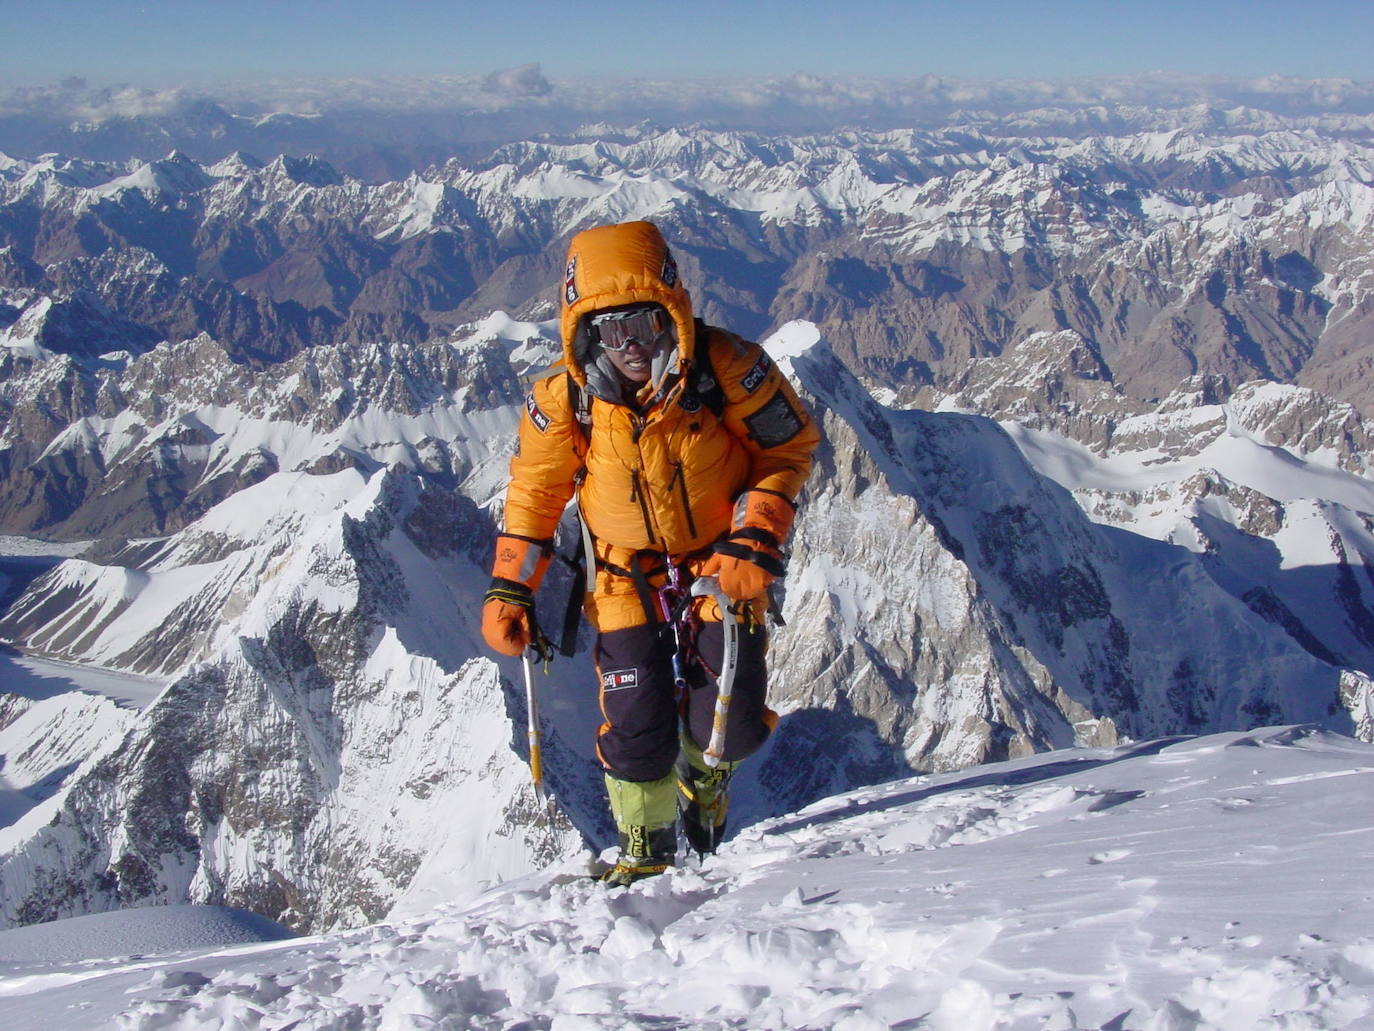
<point>152,930</point>
<point>32,677</point>
<point>53,716</point>
<point>1190,883</point>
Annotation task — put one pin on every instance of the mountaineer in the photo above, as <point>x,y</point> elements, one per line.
<point>687,448</point>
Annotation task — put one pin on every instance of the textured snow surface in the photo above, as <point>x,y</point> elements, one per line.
<point>1192,883</point>
<point>155,930</point>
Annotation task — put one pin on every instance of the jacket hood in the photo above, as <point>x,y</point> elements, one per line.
<point>621,264</point>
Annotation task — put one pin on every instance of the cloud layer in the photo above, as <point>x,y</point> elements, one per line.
<point>419,121</point>
<point>704,99</point>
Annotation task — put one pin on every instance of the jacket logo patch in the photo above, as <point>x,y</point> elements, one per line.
<point>619,680</point>
<point>540,420</point>
<point>570,293</point>
<point>775,423</point>
<point>669,271</point>
<point>756,376</point>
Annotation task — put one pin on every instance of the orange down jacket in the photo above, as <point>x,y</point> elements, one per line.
<point>663,475</point>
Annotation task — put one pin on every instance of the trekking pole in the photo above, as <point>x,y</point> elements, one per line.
<point>709,586</point>
<point>535,735</point>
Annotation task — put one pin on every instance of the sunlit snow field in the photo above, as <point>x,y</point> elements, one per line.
<point>1215,882</point>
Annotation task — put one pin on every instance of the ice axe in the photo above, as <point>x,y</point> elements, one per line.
<point>535,736</point>
<point>540,648</point>
<point>709,586</point>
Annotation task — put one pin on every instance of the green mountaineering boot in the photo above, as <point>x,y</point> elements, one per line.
<point>645,815</point>
<point>643,853</point>
<point>703,798</point>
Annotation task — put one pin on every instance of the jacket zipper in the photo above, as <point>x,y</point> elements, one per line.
<point>637,491</point>
<point>637,495</point>
<point>680,478</point>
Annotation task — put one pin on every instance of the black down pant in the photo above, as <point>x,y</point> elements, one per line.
<point>639,739</point>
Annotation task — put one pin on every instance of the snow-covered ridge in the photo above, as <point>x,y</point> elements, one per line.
<point>1183,883</point>
<point>327,660</point>
<point>187,412</point>
<point>955,597</point>
<point>923,176</point>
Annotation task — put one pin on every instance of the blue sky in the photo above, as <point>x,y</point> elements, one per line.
<point>200,42</point>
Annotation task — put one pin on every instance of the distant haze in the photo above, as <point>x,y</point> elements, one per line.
<point>522,101</point>
<point>529,87</point>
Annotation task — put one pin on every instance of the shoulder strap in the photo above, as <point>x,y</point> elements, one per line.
<point>702,377</point>
<point>580,404</point>
<point>583,563</point>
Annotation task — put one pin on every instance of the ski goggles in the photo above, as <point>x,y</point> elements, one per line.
<point>617,330</point>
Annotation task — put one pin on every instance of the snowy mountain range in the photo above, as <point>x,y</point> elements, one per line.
<point>1239,254</point>
<point>1095,472</point>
